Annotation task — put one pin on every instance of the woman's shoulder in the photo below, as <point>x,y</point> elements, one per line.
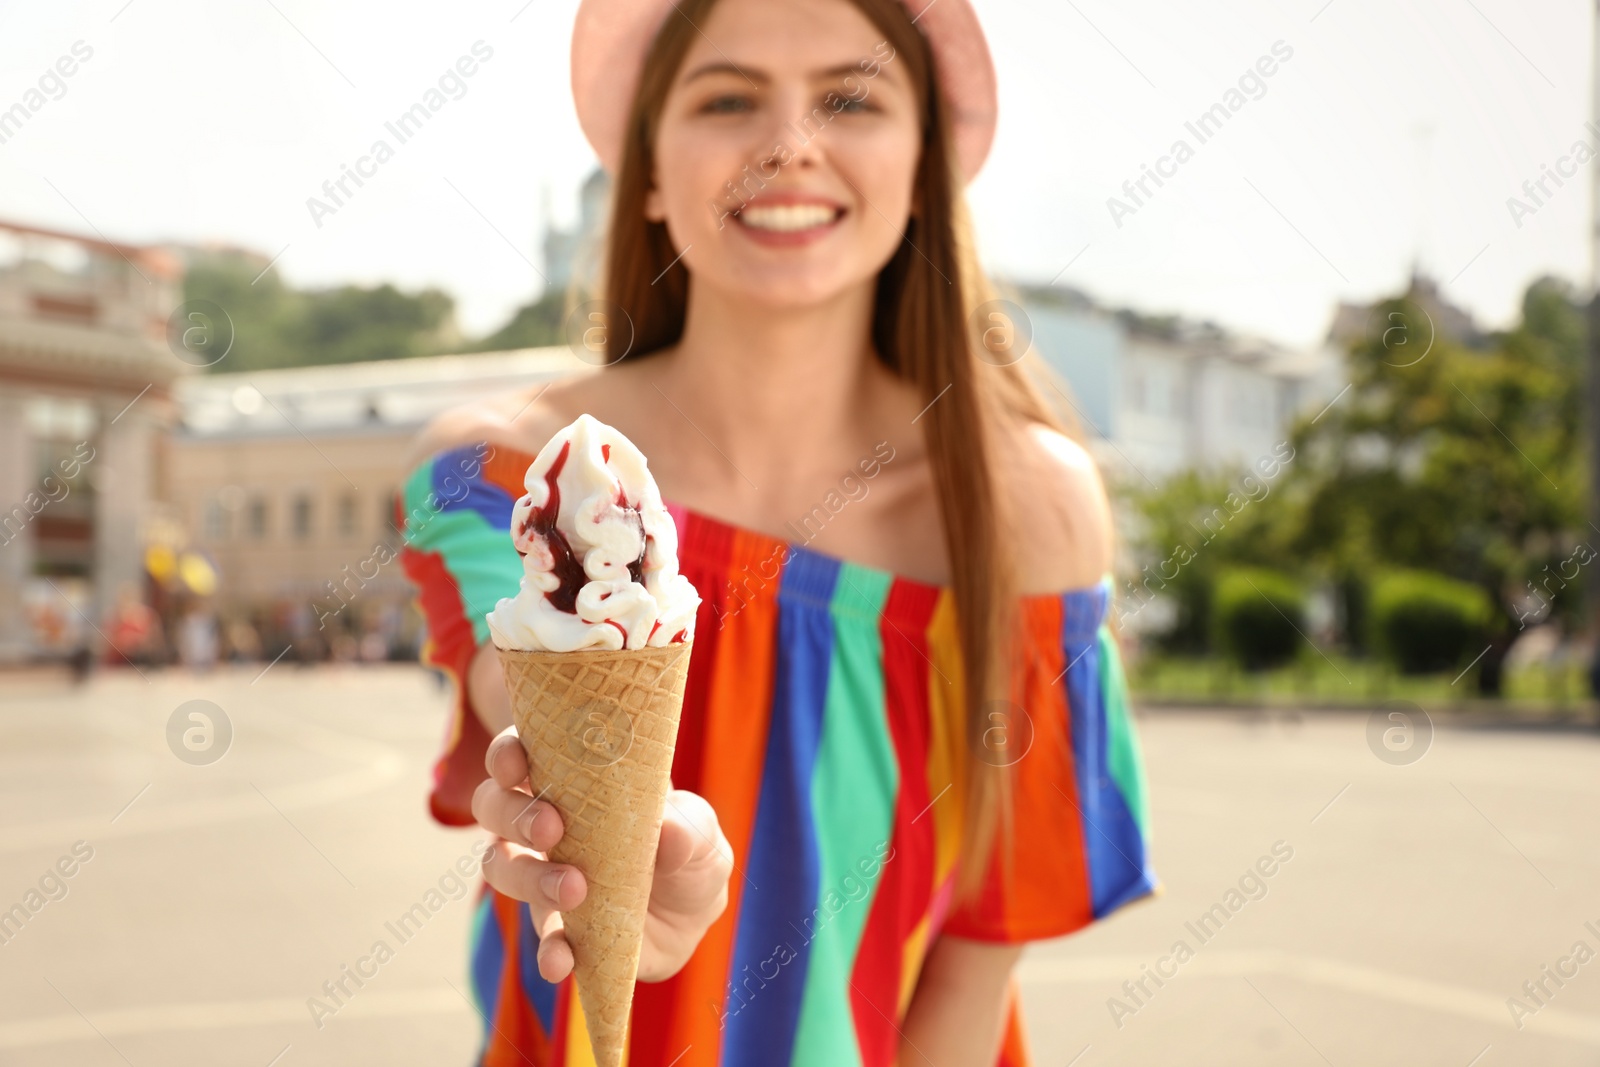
<point>521,420</point>
<point>1059,510</point>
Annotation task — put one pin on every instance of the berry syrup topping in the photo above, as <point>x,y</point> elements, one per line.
<point>542,521</point>
<point>568,569</point>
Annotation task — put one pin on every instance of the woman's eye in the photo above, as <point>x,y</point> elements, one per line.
<point>726,105</point>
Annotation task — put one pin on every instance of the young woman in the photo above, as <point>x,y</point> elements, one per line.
<point>905,749</point>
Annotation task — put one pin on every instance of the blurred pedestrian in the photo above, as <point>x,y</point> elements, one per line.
<point>199,643</point>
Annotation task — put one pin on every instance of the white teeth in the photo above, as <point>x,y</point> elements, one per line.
<point>787,217</point>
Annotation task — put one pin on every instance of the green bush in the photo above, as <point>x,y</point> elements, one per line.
<point>1255,614</point>
<point>1424,622</point>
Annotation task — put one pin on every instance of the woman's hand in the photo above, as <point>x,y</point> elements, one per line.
<point>688,893</point>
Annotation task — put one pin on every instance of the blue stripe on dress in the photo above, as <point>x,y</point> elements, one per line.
<point>1110,835</point>
<point>488,957</point>
<point>457,492</point>
<point>1133,858</point>
<point>541,994</point>
<point>771,954</point>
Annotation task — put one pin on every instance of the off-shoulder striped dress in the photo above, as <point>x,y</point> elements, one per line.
<point>823,707</point>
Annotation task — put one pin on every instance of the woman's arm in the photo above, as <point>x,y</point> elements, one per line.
<point>486,689</point>
<point>958,1012</point>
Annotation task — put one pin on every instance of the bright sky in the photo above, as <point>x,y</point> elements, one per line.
<point>197,121</point>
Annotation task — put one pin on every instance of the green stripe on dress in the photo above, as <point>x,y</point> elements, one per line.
<point>1123,758</point>
<point>852,799</point>
<point>474,552</point>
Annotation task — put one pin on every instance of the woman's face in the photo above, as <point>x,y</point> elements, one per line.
<point>803,108</point>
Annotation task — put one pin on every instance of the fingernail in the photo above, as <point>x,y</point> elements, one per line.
<point>550,882</point>
<point>525,824</point>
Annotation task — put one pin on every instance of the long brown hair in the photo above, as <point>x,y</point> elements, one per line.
<point>924,330</point>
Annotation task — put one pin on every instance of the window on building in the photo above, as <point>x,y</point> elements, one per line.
<point>1159,400</point>
<point>54,418</point>
<point>255,517</point>
<point>216,520</point>
<point>347,515</point>
<point>301,516</point>
<point>386,526</point>
<point>1248,403</point>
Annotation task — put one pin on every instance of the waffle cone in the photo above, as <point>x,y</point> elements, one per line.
<point>599,727</point>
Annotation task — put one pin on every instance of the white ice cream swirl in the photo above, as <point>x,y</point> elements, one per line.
<point>599,551</point>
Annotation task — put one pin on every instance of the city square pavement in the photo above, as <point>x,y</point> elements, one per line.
<point>1320,904</point>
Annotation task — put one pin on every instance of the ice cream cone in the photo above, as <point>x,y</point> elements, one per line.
<point>599,727</point>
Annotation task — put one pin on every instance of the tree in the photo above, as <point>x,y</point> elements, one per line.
<point>534,325</point>
<point>1447,459</point>
<point>354,325</point>
<point>1463,462</point>
<point>1195,526</point>
<point>276,326</point>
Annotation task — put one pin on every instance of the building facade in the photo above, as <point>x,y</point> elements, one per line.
<point>1154,403</point>
<point>287,479</point>
<point>86,376</point>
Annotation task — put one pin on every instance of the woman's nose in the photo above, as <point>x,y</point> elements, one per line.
<point>796,128</point>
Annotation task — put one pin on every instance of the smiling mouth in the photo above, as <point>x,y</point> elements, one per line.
<point>787,218</point>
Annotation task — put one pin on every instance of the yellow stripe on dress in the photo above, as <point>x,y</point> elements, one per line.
<point>945,704</point>
<point>580,1053</point>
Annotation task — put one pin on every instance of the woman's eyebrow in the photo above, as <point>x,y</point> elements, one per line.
<point>759,76</point>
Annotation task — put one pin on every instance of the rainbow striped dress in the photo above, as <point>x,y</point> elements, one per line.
<point>821,715</point>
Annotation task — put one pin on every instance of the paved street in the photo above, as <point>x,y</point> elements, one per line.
<point>206,903</point>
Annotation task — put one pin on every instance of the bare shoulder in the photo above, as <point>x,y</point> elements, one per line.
<point>524,419</point>
<point>1059,508</point>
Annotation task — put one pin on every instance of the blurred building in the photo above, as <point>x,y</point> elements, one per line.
<point>1155,397</point>
<point>286,479</point>
<point>85,385</point>
<point>1353,322</point>
<point>574,251</point>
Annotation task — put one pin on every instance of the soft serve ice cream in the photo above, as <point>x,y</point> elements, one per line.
<point>599,551</point>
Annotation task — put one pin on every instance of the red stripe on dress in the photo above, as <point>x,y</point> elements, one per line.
<point>566,1005</point>
<point>906,878</point>
<point>704,552</point>
<point>701,559</point>
<point>1053,849</point>
<point>726,712</point>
